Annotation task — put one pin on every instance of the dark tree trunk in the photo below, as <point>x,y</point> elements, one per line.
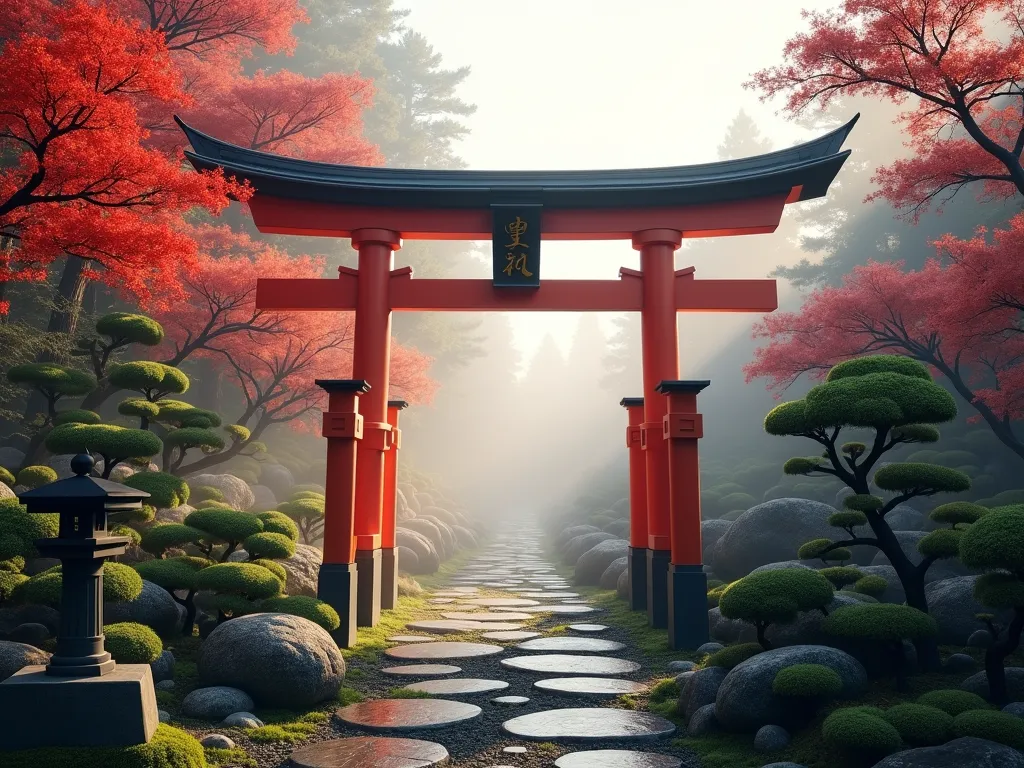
<point>764,641</point>
<point>996,654</point>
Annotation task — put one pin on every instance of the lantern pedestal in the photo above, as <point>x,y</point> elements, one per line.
<point>117,709</point>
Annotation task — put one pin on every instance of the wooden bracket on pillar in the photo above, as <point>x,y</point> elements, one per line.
<point>683,425</point>
<point>634,437</point>
<point>377,435</point>
<point>341,424</point>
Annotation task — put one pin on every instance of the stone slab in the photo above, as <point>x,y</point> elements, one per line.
<point>451,626</point>
<point>441,651</point>
<point>587,687</point>
<point>591,724</point>
<point>456,592</point>
<point>363,751</point>
<point>616,758</point>
<point>572,645</point>
<point>567,664</point>
<point>421,670</point>
<point>462,686</point>
<point>410,639</point>
<point>487,616</point>
<point>559,609</point>
<point>115,710</point>
<point>510,701</point>
<point>503,602</point>
<point>588,627</point>
<point>406,715</point>
<point>507,636</point>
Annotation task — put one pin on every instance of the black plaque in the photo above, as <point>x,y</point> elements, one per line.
<point>515,243</point>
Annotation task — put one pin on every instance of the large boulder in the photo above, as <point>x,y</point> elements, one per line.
<point>951,602</point>
<point>215,702</point>
<point>236,491</point>
<point>904,517</point>
<point>622,584</point>
<point>770,532</point>
<point>618,528</point>
<point>121,472</point>
<point>173,514</point>
<point>729,630</point>
<point>6,492</point>
<point>466,538</point>
<point>428,560</point>
<point>402,509</point>
<point>610,577</point>
<point>11,459</point>
<point>579,545</point>
<point>278,479</point>
<point>440,513</point>
<point>700,689</point>
<point>408,562</point>
<point>967,752</point>
<point>154,607</point>
<point>303,570</point>
<point>745,700</point>
<point>280,660</point>
<point>448,537</point>
<point>711,531</point>
<point>593,563</point>
<point>410,497</point>
<point>978,683</point>
<point>432,532</point>
<point>572,532</point>
<point>265,500</point>
<point>14,656</point>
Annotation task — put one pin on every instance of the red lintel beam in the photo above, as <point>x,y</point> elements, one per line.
<point>307,293</point>
<point>726,295</point>
<point>300,217</point>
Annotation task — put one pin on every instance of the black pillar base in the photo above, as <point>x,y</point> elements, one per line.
<point>368,603</point>
<point>687,607</point>
<point>657,587</point>
<point>637,567</point>
<point>337,585</point>
<point>388,579</point>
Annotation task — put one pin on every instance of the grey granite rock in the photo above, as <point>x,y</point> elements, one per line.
<point>163,716</point>
<point>980,638</point>
<point>681,666</point>
<point>960,664</point>
<point>710,647</point>
<point>771,738</point>
<point>700,690</point>
<point>217,741</point>
<point>154,607</point>
<point>951,602</point>
<point>702,722</point>
<point>610,577</point>
<point>960,753</point>
<point>242,720</point>
<point>215,702</point>
<point>163,667</point>
<point>14,656</point>
<point>978,683</point>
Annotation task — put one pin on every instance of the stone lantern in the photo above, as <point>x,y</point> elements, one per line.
<point>82,697</point>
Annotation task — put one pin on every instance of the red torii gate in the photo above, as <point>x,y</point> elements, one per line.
<point>654,208</point>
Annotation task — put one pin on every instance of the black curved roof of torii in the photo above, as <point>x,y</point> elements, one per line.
<point>811,166</point>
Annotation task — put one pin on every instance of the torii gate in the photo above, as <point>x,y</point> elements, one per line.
<point>654,208</point>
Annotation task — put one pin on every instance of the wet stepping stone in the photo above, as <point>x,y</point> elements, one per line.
<point>565,609</point>
<point>616,758</point>
<point>502,602</point>
<point>510,701</point>
<point>587,687</point>
<point>588,627</point>
<point>560,664</point>
<point>462,686</point>
<point>449,626</point>
<point>487,616</point>
<point>441,600</point>
<point>452,593</point>
<point>421,670</point>
<point>370,750</point>
<point>443,651</point>
<point>591,724</point>
<point>500,583</point>
<point>553,595</point>
<point>572,645</point>
<point>574,601</point>
<point>512,635</point>
<point>410,639</point>
<point>398,715</point>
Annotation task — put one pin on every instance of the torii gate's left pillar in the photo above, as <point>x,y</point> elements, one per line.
<point>371,360</point>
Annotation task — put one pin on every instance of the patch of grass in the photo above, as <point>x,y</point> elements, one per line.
<point>315,717</point>
<point>627,702</point>
<point>405,693</point>
<point>664,697</point>
<point>232,757</point>
<point>354,673</point>
<point>558,628</point>
<point>289,732</point>
<point>348,696</point>
<point>371,641</point>
<point>546,747</point>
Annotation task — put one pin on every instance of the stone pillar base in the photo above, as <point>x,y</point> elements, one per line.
<point>368,603</point>
<point>117,709</point>
<point>657,587</point>
<point>637,568</point>
<point>687,607</point>
<point>337,586</point>
<point>388,578</point>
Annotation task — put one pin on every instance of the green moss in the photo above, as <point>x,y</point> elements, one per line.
<point>231,758</point>
<point>953,701</point>
<point>348,696</point>
<point>908,476</point>
<point>810,680</point>
<point>733,655</point>
<point>242,579</point>
<point>19,530</point>
<point>859,730</point>
<point>275,522</point>
<point>406,693</point>
<point>120,583</point>
<point>289,733</point>
<point>169,748</point>
<point>270,546</point>
<point>310,608</point>
<point>920,725</point>
<point>33,477</point>
<point>664,697</point>
<point>6,477</point>
<point>165,489</point>
<point>871,585</point>
<point>224,525</point>
<point>994,540</point>
<point>880,621</point>
<point>1000,727</point>
<point>131,643</point>
<point>207,493</point>
<point>9,581</point>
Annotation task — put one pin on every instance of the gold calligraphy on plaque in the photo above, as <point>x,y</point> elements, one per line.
<point>516,261</point>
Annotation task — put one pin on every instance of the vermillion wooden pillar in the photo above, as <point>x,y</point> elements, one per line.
<point>371,361</point>
<point>637,566</point>
<point>389,522</point>
<point>660,355</point>
<point>687,583</point>
<point>338,580</point>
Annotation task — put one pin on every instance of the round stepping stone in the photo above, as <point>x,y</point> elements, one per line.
<point>441,600</point>
<point>449,626</point>
<point>421,670</point>
<point>457,592</point>
<point>616,758</point>
<point>591,724</point>
<point>510,701</point>
<point>515,750</point>
<point>553,595</point>
<point>557,609</point>
<point>574,601</point>
<point>588,627</point>
<point>487,616</point>
<point>370,750</point>
<point>504,602</point>
<point>572,645</point>
<point>561,664</point>
<point>442,651</point>
<point>399,715</point>
<point>461,686</point>
<point>410,639</point>
<point>501,635</point>
<point>596,687</point>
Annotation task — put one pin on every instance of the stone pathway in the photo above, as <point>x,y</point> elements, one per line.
<point>520,683</point>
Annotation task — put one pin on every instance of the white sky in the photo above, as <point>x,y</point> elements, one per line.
<point>601,84</point>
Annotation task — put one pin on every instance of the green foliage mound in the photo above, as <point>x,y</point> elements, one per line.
<point>6,477</point>
<point>120,584</point>
<point>807,680</point>
<point>943,543</point>
<point>77,416</point>
<point>275,568</point>
<point>128,328</point>
<point>224,525</point>
<point>861,730</point>
<point>169,748</point>
<point>166,536</point>
<point>19,529</point>
<point>173,573</point>
<point>131,643</point>
<point>734,655</point>
<point>880,621</point>
<point>165,490</point>
<point>269,546</point>
<point>775,596</point>
<point>9,581</point>
<point>958,513</point>
<point>112,442</point>
<point>206,493</point>
<point>35,476</point>
<point>1000,727</point>
<point>151,378</point>
<point>920,725</point>
<point>51,379</point>
<point>871,585</point>
<point>246,580</point>
<point>994,540</point>
<point>275,522</point>
<point>310,608</point>
<point>953,701</point>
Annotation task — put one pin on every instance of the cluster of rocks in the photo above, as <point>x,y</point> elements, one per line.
<point>431,529</point>
<point>599,556</point>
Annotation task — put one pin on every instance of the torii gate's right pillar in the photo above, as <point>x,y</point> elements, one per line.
<point>660,354</point>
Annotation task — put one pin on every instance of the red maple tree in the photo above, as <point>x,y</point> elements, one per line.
<point>964,122</point>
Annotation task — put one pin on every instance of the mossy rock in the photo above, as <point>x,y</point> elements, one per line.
<point>920,725</point>
<point>132,643</point>
<point>807,680</point>
<point>169,748</point>
<point>734,655</point>
<point>863,731</point>
<point>310,608</point>
<point>1000,727</point>
<point>33,477</point>
<point>953,701</point>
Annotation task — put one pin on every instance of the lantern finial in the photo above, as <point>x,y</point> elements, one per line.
<point>82,464</point>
